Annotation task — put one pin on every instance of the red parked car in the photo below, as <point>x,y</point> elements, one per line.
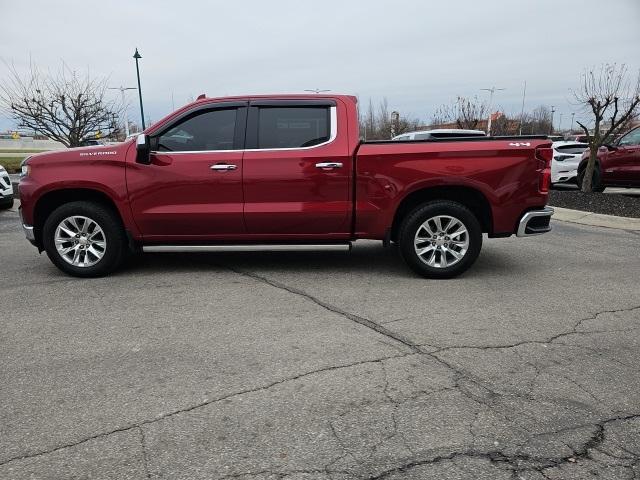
<point>618,164</point>
<point>282,173</point>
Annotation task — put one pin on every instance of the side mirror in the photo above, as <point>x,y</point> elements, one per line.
<point>611,148</point>
<point>143,149</point>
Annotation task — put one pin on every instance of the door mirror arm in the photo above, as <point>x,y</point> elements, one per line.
<point>143,149</point>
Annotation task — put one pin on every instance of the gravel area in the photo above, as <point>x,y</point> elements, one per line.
<point>608,204</point>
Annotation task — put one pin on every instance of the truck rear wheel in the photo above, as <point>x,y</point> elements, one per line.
<point>440,239</point>
<point>84,239</point>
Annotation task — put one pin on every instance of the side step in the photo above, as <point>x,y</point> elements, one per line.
<point>333,247</point>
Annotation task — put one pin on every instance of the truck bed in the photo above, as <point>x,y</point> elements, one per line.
<point>447,139</point>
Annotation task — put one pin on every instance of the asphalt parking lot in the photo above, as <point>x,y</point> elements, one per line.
<point>325,366</point>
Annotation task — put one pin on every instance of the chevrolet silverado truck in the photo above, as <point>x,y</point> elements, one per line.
<point>282,172</point>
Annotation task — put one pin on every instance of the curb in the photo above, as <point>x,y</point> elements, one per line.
<point>595,219</point>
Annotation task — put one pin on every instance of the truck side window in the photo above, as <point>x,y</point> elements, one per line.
<point>293,127</point>
<point>209,130</point>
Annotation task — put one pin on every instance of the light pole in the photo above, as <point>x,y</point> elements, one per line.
<point>553,110</point>
<point>137,56</point>
<point>572,117</point>
<point>492,90</point>
<point>524,93</point>
<point>126,117</point>
<point>560,125</point>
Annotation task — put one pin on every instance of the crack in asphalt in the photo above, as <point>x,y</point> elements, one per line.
<point>483,398</point>
<point>573,331</point>
<point>494,456</point>
<point>205,403</point>
<point>145,455</point>
<point>513,461</point>
<point>332,308</point>
<point>370,324</point>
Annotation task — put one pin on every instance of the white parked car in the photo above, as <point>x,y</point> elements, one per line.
<point>6,189</point>
<point>566,158</point>
<point>439,133</point>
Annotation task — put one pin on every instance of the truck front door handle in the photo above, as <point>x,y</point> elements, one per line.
<point>329,165</point>
<point>223,166</point>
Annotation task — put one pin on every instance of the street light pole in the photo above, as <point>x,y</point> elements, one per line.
<point>524,93</point>
<point>137,56</point>
<point>553,110</point>
<point>572,117</point>
<point>492,90</point>
<point>126,117</point>
<point>560,124</point>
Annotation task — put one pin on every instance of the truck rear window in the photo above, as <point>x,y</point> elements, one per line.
<point>293,127</point>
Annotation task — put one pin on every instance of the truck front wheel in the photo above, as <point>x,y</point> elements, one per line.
<point>84,239</point>
<point>440,239</point>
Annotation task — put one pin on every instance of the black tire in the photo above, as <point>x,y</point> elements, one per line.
<point>414,221</point>
<point>6,203</point>
<point>109,222</point>
<point>596,182</point>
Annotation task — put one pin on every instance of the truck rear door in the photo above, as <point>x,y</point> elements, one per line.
<point>297,169</point>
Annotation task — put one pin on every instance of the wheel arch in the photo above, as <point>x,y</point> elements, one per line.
<point>53,199</point>
<point>470,197</point>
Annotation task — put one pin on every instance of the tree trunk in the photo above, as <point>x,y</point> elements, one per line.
<point>587,184</point>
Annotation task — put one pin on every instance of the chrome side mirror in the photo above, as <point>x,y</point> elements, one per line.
<point>142,149</point>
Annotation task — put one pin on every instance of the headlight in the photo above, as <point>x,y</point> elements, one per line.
<point>25,168</point>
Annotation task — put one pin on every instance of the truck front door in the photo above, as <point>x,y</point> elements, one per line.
<point>192,190</point>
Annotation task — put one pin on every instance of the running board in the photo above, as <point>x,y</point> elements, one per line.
<point>334,247</point>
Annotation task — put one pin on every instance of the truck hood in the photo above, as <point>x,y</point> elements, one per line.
<point>116,151</point>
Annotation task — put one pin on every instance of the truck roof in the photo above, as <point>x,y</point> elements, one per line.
<point>285,96</point>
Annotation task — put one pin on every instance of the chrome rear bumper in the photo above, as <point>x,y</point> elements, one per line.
<point>535,222</point>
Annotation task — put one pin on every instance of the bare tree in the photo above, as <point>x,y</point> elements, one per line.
<point>63,106</point>
<point>377,124</point>
<point>612,97</point>
<point>466,113</point>
<point>537,122</point>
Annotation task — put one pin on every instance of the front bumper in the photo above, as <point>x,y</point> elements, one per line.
<point>535,222</point>
<point>27,229</point>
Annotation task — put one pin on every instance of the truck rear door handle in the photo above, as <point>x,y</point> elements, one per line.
<point>329,165</point>
<point>223,166</point>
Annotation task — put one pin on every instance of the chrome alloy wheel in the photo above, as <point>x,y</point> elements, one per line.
<point>441,241</point>
<point>80,241</point>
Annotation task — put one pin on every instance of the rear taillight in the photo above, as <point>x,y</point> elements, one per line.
<point>544,155</point>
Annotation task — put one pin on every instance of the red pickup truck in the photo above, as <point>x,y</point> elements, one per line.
<point>282,172</point>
